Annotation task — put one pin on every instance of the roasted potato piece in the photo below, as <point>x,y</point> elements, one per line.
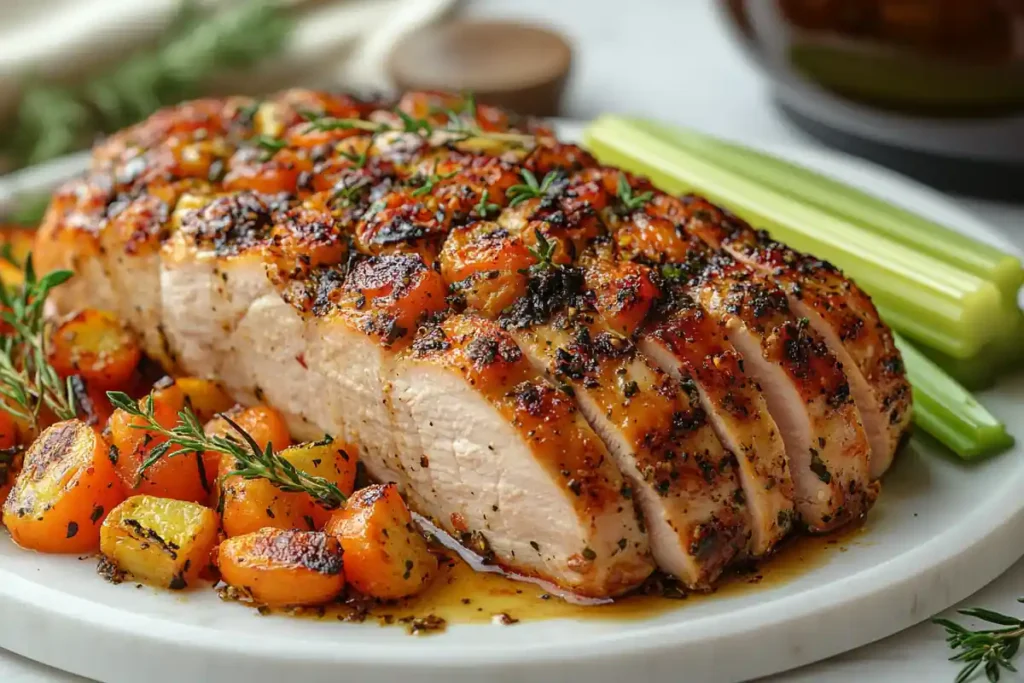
<point>332,460</point>
<point>386,556</point>
<point>94,344</point>
<point>280,568</point>
<point>160,541</point>
<point>182,476</point>
<point>66,487</point>
<point>206,397</point>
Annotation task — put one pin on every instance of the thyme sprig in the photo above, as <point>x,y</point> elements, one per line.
<point>631,202</point>
<point>27,380</point>
<point>544,252</point>
<point>429,181</point>
<point>531,188</point>
<point>987,649</point>
<point>251,462</point>
<point>483,208</point>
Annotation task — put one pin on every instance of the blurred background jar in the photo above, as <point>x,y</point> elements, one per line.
<point>934,88</point>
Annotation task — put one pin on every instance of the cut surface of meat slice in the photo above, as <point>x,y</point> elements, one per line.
<point>837,310</point>
<point>509,465</point>
<point>692,347</point>
<point>683,479</point>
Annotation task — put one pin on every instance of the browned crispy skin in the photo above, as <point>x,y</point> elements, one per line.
<point>394,234</point>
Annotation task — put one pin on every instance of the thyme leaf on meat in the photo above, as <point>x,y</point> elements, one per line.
<point>483,208</point>
<point>251,462</point>
<point>631,202</point>
<point>270,145</point>
<point>544,252</point>
<point>358,160</point>
<point>530,189</point>
<point>431,180</point>
<point>27,380</point>
<point>989,650</point>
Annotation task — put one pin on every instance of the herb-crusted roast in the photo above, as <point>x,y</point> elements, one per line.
<point>581,375</point>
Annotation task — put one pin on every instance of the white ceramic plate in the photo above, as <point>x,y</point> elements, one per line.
<point>940,531</point>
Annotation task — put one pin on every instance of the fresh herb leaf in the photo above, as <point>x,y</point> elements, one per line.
<point>27,380</point>
<point>530,189</point>
<point>483,208</point>
<point>358,160</point>
<point>269,144</point>
<point>431,180</point>
<point>988,649</point>
<point>544,252</point>
<point>251,462</point>
<point>629,201</point>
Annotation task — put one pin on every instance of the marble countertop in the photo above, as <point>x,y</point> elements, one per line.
<point>671,60</point>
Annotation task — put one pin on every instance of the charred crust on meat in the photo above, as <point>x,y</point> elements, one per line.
<point>231,224</point>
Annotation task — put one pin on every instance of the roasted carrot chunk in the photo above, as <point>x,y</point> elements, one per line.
<point>181,476</point>
<point>280,568</point>
<point>66,487</point>
<point>385,555</point>
<point>251,504</point>
<point>10,459</point>
<point>206,397</point>
<point>159,541</point>
<point>94,344</point>
<point>332,460</point>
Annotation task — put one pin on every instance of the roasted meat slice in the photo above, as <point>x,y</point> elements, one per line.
<point>837,310</point>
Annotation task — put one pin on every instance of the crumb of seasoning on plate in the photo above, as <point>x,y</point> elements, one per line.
<point>504,618</point>
<point>421,625</point>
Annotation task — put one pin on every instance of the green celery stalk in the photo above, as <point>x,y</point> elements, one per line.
<point>861,208</point>
<point>1001,356</point>
<point>930,301</point>
<point>948,412</point>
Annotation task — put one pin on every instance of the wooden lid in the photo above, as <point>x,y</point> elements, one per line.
<point>521,67</point>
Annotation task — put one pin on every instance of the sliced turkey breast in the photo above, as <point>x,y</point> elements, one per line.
<point>532,346</point>
<point>837,310</point>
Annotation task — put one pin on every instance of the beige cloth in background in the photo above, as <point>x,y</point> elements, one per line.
<point>336,43</point>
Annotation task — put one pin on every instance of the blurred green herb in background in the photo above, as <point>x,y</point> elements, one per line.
<point>53,119</point>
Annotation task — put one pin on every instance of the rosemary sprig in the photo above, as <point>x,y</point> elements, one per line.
<point>987,649</point>
<point>270,145</point>
<point>531,189</point>
<point>27,380</point>
<point>54,120</point>
<point>358,160</point>
<point>251,462</point>
<point>631,202</point>
<point>483,208</point>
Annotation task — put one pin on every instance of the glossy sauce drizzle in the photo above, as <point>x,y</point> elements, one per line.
<point>460,595</point>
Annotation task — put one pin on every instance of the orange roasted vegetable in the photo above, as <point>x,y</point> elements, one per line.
<point>159,541</point>
<point>205,396</point>
<point>66,487</point>
<point>94,344</point>
<point>264,424</point>
<point>281,568</point>
<point>385,555</point>
<point>180,476</point>
<point>332,460</point>
<point>8,454</point>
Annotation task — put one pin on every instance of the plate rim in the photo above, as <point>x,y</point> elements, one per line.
<point>949,555</point>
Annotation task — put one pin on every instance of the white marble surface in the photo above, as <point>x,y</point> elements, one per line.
<point>670,59</point>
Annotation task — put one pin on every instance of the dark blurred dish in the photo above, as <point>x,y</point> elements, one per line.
<point>931,87</point>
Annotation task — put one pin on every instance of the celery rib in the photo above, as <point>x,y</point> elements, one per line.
<point>948,412</point>
<point>934,303</point>
<point>861,208</point>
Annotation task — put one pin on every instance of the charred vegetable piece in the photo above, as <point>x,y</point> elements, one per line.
<point>206,397</point>
<point>66,487</point>
<point>386,556</point>
<point>264,424</point>
<point>9,458</point>
<point>160,541</point>
<point>182,477</point>
<point>95,345</point>
<point>279,568</point>
<point>332,460</point>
